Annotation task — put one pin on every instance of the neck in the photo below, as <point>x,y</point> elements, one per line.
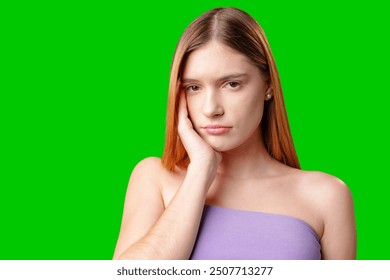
<point>247,161</point>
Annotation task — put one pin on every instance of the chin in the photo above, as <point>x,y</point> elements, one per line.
<point>222,147</point>
<point>226,144</point>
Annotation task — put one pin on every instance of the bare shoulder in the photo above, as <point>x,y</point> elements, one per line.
<point>324,189</point>
<point>149,170</point>
<point>144,188</point>
<point>148,165</point>
<point>332,202</point>
<point>143,203</point>
<point>321,193</point>
<point>145,182</point>
<point>156,178</point>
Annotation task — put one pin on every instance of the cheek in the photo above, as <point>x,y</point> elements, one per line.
<point>251,111</point>
<point>250,120</point>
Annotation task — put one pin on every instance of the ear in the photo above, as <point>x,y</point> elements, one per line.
<point>269,93</point>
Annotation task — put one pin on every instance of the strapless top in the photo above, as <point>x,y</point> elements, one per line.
<point>229,234</point>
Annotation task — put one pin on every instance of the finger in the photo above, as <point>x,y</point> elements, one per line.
<point>183,113</point>
<point>180,94</point>
<point>184,120</point>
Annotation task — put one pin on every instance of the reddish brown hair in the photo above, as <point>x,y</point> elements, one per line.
<point>238,30</point>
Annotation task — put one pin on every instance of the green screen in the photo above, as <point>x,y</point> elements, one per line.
<point>83,97</point>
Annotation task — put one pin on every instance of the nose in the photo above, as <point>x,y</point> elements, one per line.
<point>212,106</point>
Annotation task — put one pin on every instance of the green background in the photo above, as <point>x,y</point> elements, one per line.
<point>83,96</point>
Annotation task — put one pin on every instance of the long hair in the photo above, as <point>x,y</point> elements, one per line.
<point>238,30</point>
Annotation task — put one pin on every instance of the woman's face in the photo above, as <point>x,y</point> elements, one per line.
<point>225,96</point>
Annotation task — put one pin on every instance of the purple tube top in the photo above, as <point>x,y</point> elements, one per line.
<point>229,234</point>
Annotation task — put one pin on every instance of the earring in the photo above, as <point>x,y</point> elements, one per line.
<point>268,96</point>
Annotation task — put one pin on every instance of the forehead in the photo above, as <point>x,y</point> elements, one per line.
<point>214,60</point>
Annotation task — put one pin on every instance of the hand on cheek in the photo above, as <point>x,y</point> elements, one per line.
<point>197,149</point>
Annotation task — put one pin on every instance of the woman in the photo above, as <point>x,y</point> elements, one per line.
<point>229,185</point>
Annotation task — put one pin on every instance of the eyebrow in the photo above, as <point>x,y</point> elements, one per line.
<point>226,77</point>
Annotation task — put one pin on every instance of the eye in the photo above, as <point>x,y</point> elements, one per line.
<point>232,84</point>
<point>192,88</point>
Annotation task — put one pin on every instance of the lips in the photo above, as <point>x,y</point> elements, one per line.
<point>216,129</point>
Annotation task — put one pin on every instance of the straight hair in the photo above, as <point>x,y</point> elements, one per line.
<point>238,30</point>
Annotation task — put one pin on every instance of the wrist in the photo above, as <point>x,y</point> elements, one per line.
<point>202,172</point>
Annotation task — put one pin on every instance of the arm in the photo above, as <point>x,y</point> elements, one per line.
<point>149,231</point>
<point>339,237</point>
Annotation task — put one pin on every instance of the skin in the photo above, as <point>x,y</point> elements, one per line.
<point>163,209</point>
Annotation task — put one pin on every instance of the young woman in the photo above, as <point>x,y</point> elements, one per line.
<point>229,185</point>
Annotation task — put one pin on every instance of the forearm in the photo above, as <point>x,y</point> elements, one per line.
<point>173,236</point>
